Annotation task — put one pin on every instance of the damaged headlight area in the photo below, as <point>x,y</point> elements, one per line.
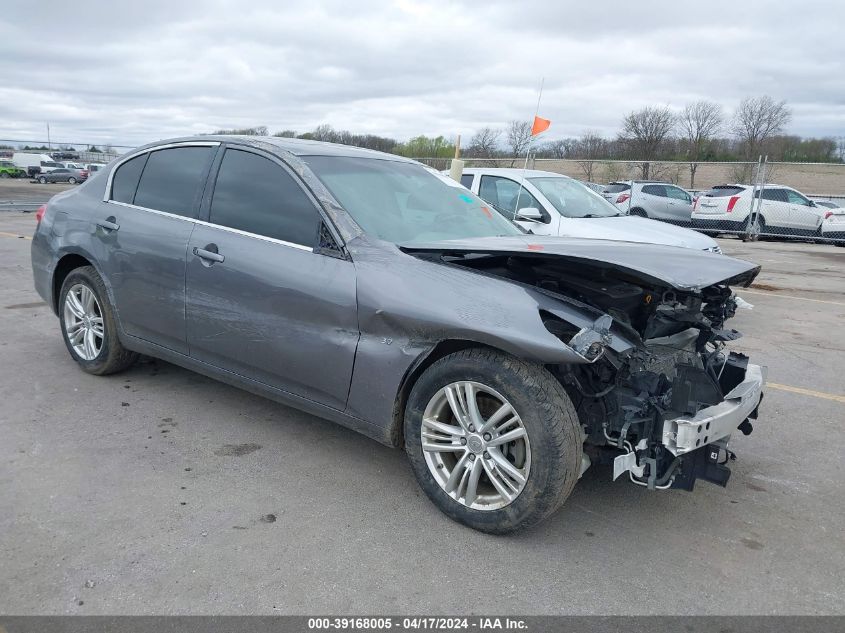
<point>664,410</point>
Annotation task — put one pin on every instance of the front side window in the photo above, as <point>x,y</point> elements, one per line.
<point>678,194</point>
<point>172,179</point>
<point>796,198</point>
<point>125,179</point>
<point>573,199</point>
<point>404,203</point>
<point>502,193</point>
<point>254,194</point>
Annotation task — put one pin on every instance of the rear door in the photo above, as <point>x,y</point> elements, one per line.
<point>654,200</point>
<point>775,208</point>
<point>142,231</point>
<point>262,301</point>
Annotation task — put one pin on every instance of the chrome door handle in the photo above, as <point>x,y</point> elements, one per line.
<point>108,225</point>
<point>208,255</point>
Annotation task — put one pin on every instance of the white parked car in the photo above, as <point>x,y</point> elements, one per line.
<point>553,204</point>
<point>784,211</point>
<point>650,199</point>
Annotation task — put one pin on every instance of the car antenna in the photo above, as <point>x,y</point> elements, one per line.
<point>538,126</point>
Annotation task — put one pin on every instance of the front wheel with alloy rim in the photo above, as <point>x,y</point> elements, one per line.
<point>494,441</point>
<point>88,324</point>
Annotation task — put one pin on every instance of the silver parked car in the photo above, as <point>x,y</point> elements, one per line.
<point>64,174</point>
<point>362,288</point>
<point>656,200</point>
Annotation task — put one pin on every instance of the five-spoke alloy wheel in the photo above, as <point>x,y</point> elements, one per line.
<point>475,445</point>
<point>83,322</point>
<point>493,440</point>
<point>89,327</point>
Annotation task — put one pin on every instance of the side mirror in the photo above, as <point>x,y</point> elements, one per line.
<point>529,214</point>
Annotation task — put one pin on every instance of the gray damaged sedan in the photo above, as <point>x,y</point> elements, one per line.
<point>362,288</point>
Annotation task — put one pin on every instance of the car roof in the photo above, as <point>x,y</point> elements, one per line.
<point>514,172</point>
<point>296,146</point>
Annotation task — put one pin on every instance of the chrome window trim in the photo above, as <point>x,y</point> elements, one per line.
<point>272,240</point>
<point>131,155</point>
<point>265,238</point>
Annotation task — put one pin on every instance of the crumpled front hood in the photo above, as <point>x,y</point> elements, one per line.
<point>681,268</point>
<point>629,228</point>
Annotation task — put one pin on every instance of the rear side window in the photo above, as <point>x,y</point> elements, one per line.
<point>466,180</point>
<point>616,188</point>
<point>655,190</point>
<point>125,179</point>
<point>254,194</point>
<point>778,195</point>
<point>172,179</point>
<point>723,192</point>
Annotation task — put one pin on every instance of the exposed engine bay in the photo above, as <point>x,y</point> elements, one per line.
<point>663,407</point>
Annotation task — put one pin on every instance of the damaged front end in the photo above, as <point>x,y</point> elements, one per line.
<point>664,410</point>
<point>657,391</point>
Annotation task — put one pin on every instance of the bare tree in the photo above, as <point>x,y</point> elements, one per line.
<point>699,123</point>
<point>590,147</point>
<point>518,137</point>
<point>484,142</point>
<point>561,148</point>
<point>645,133</point>
<point>756,120</point>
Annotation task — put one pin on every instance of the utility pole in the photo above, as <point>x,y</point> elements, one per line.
<point>49,144</point>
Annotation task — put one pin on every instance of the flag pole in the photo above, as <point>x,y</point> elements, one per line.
<point>528,150</point>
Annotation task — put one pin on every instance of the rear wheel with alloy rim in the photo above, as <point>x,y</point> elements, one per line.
<point>493,440</point>
<point>754,225</point>
<point>640,213</point>
<point>42,180</point>
<point>88,324</point>
<point>72,180</point>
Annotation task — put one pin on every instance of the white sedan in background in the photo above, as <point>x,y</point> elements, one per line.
<point>554,204</point>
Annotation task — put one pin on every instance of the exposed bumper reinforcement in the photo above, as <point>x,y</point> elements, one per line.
<point>684,434</point>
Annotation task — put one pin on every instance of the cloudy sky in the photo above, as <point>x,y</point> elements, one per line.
<point>132,72</point>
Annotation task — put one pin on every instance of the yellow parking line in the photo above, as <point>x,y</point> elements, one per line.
<point>807,392</point>
<point>774,294</point>
<point>3,234</point>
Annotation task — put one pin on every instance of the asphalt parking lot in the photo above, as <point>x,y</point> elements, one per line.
<point>159,491</point>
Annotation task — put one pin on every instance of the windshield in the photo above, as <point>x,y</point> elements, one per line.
<point>573,199</point>
<point>405,203</point>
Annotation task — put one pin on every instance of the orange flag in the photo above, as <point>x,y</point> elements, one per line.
<point>540,125</point>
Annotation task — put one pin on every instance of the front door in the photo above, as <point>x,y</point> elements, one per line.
<point>261,302</point>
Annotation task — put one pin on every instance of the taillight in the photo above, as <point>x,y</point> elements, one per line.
<point>622,198</point>
<point>732,203</point>
<point>39,215</point>
<point>84,173</point>
<point>695,203</point>
<point>827,214</point>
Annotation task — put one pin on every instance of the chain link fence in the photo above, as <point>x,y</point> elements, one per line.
<point>752,200</point>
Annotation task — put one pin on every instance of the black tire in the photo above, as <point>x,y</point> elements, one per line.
<point>550,422</point>
<point>5,174</point>
<point>747,235</point>
<point>113,357</point>
<point>42,180</point>
<point>640,213</point>
<point>72,180</point>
